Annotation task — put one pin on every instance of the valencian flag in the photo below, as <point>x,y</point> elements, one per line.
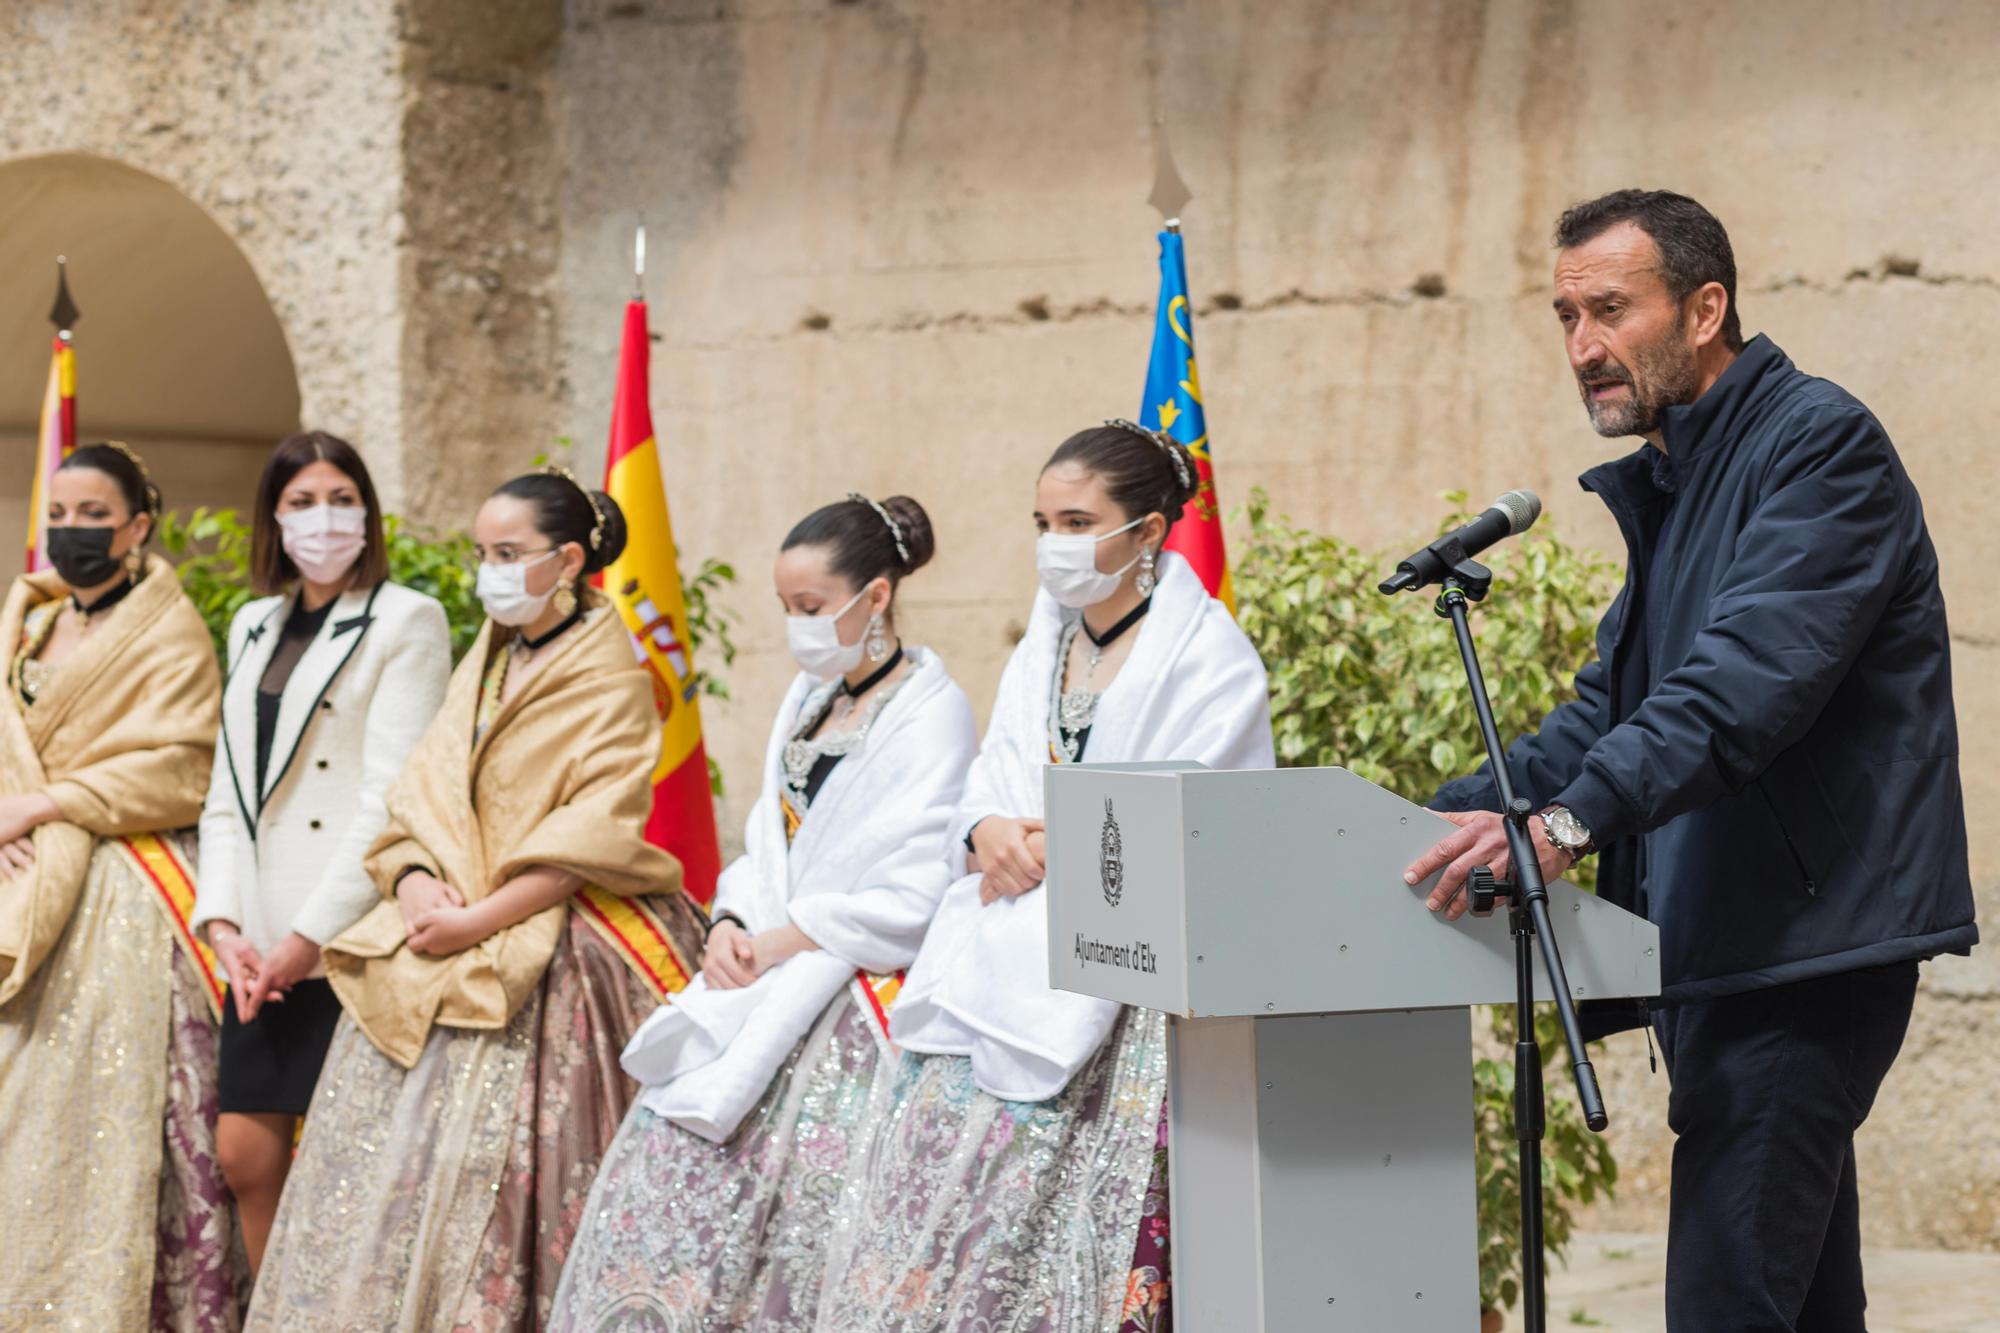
<point>644,583</point>
<point>1173,405</point>
<point>57,439</point>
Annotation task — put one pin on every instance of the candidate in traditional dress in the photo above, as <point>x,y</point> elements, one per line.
<point>330,682</point>
<point>526,930</point>
<point>713,1207</point>
<point>117,1215</point>
<point>1015,1179</point>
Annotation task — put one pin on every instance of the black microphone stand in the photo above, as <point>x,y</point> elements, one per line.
<point>1528,919</point>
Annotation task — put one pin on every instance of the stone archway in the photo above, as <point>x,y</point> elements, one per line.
<point>179,351</point>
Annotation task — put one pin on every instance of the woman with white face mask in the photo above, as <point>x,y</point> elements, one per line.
<point>714,1204</point>
<point>1057,1218</point>
<point>522,930</point>
<point>332,676</point>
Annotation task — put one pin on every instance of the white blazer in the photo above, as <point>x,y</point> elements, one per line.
<point>288,858</point>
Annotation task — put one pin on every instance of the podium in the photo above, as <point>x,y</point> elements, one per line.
<point>1320,1052</point>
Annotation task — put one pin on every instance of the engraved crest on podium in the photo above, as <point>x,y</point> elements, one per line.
<point>1111,857</point>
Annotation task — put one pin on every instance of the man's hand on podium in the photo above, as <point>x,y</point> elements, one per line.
<point>1481,840</point>
<point>1011,854</point>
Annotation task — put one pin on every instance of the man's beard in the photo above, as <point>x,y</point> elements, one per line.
<point>1661,376</point>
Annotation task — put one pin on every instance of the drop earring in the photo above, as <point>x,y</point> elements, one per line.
<point>134,562</point>
<point>1147,580</point>
<point>565,598</point>
<point>878,639</point>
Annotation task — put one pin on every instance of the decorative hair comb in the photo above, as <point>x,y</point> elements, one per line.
<point>895,528</point>
<point>596,514</point>
<point>1160,438</point>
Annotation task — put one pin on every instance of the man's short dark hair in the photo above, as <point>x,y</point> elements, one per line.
<point>1694,249</point>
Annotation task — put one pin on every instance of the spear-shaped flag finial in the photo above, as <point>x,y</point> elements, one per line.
<point>64,313</point>
<point>1170,193</point>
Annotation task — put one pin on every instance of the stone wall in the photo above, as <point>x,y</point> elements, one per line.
<point>904,247</point>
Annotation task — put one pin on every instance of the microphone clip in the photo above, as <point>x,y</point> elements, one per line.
<point>1469,581</point>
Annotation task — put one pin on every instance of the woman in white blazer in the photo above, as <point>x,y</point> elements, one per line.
<point>330,681</point>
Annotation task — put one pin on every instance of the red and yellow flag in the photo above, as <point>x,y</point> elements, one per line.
<point>55,443</point>
<point>644,583</point>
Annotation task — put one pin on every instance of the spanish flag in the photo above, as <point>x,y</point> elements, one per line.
<point>55,443</point>
<point>644,583</point>
<point>1173,405</point>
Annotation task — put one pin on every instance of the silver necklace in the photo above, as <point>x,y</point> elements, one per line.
<point>1072,712</point>
<point>801,753</point>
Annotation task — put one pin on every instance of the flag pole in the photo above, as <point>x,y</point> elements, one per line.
<point>1170,193</point>
<point>639,260</point>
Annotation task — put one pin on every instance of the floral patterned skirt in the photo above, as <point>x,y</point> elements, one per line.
<point>446,1196</point>
<point>974,1215</point>
<point>118,1214</point>
<point>682,1234</point>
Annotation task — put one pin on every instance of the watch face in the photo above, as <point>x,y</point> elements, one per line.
<point>1567,830</point>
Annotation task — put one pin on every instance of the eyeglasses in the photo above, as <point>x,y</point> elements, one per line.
<point>503,555</point>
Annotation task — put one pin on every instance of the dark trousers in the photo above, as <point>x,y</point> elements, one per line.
<point>1768,1088</point>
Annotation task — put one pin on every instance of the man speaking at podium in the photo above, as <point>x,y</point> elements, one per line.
<point>1764,757</point>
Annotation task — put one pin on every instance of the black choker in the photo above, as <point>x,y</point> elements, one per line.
<point>1110,636</point>
<point>106,602</point>
<point>529,645</point>
<point>875,677</point>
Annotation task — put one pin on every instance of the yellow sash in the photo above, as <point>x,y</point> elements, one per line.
<point>640,937</point>
<point>159,865</point>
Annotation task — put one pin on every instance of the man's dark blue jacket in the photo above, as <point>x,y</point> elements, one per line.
<point>1765,750</point>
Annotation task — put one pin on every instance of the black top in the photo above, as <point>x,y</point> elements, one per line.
<point>301,628</point>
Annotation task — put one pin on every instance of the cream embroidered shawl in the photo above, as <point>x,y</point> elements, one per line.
<point>562,777</point>
<point>121,739</point>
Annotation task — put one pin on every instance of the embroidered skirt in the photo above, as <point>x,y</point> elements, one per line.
<point>682,1234</point>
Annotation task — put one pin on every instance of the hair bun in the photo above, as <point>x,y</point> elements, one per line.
<point>612,544</point>
<point>918,538</point>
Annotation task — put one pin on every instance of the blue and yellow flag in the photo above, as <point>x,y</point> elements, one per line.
<point>1173,405</point>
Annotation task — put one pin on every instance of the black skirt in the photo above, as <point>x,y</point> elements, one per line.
<point>270,1064</point>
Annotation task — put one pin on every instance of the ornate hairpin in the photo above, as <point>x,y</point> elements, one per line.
<point>596,514</point>
<point>895,528</point>
<point>145,477</point>
<point>1160,438</point>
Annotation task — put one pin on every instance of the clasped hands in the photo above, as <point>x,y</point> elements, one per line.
<point>734,957</point>
<point>1481,840</point>
<point>254,977</point>
<point>1011,856</point>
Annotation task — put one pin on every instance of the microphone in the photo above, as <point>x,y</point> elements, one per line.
<point>1509,516</point>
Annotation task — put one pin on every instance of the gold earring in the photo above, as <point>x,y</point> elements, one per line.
<point>565,597</point>
<point>134,562</point>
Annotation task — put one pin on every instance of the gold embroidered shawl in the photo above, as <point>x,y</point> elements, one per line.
<point>562,777</point>
<point>121,739</point>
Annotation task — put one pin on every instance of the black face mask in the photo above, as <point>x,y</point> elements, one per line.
<point>83,556</point>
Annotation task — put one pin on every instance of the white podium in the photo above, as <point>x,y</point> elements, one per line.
<point>1320,1063</point>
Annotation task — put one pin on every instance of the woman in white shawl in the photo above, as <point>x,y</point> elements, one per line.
<point>1016,1179</point>
<point>713,1205</point>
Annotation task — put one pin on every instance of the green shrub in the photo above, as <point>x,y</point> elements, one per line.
<point>1374,684</point>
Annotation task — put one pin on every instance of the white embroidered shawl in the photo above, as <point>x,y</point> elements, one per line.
<point>861,878</point>
<point>1193,688</point>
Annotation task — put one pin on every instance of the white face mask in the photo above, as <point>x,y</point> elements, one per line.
<point>816,646</point>
<point>1067,563</point>
<point>325,540</point>
<point>503,591</point>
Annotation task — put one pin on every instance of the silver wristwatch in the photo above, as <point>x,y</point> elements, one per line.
<point>1566,832</point>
